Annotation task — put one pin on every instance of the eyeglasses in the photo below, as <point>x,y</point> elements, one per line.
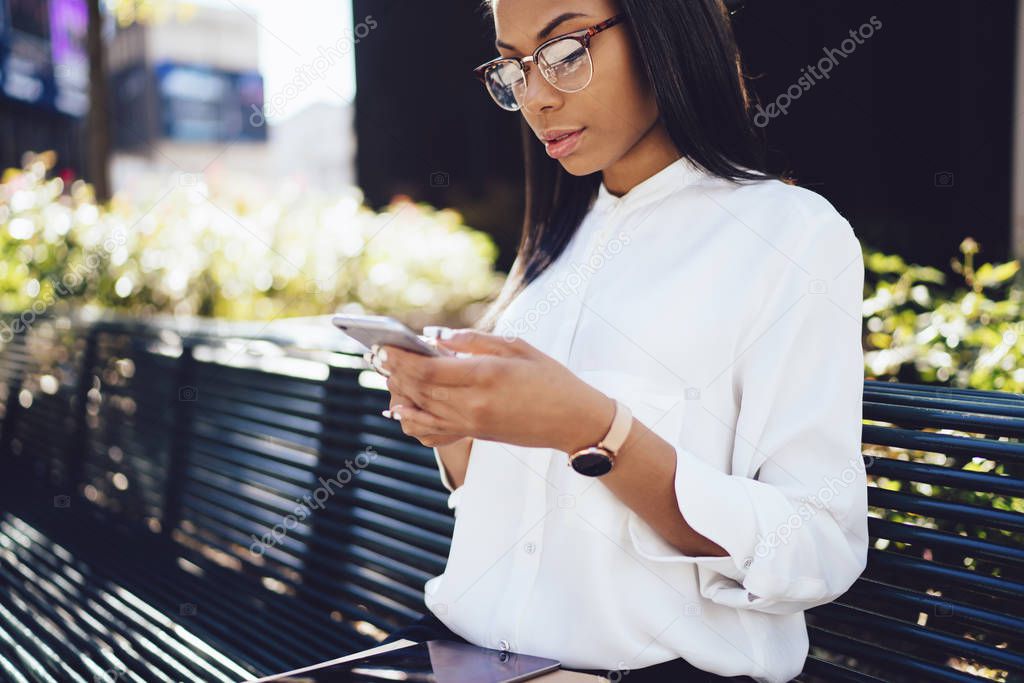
<point>564,62</point>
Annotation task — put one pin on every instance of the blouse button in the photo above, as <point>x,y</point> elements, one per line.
<point>503,644</point>
<point>530,547</point>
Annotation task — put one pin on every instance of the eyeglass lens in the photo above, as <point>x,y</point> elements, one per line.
<point>565,64</point>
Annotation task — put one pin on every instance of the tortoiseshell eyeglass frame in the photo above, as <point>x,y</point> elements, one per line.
<point>584,37</point>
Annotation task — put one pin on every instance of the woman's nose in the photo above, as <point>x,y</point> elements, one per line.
<point>539,93</point>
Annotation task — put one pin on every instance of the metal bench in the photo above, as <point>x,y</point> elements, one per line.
<point>167,513</point>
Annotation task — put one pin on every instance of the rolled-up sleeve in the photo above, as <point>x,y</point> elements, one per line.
<point>792,512</point>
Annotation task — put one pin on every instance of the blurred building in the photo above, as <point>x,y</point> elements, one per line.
<point>316,145</point>
<point>187,94</point>
<point>44,80</point>
<point>188,97</point>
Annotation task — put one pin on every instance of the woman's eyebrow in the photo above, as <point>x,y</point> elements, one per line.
<point>546,31</point>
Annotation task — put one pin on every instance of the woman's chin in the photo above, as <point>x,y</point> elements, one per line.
<point>577,165</point>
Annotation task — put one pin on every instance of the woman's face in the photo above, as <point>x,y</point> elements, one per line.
<point>613,113</point>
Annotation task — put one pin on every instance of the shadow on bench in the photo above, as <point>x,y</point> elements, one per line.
<point>214,505</point>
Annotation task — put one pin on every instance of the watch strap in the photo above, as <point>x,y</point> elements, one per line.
<point>619,429</point>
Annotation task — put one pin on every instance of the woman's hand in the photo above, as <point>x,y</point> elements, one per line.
<point>431,440</point>
<point>397,399</point>
<point>506,391</point>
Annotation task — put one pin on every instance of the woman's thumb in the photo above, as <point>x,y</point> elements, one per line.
<point>474,341</point>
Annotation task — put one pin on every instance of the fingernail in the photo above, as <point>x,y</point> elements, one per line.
<point>396,416</point>
<point>447,333</point>
<point>374,348</point>
<point>383,355</point>
<point>375,364</point>
<point>386,413</point>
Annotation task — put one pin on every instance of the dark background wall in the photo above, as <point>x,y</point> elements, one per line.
<point>425,126</point>
<point>24,127</point>
<point>930,94</point>
<point>910,138</point>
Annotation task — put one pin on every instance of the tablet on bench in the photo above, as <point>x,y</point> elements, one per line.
<point>432,661</point>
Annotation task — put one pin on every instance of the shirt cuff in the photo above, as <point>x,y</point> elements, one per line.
<point>649,545</point>
<point>454,491</point>
<point>700,492</point>
<point>720,507</point>
<point>444,473</point>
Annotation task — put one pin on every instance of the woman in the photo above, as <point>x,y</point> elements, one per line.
<point>652,442</point>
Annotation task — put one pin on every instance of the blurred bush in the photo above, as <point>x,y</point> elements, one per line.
<point>235,250</point>
<point>919,329</point>
<point>241,251</point>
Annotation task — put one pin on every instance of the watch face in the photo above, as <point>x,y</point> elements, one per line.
<point>592,462</point>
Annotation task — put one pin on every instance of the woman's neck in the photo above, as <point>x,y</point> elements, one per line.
<point>652,153</point>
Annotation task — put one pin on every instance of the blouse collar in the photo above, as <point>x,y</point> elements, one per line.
<point>677,175</point>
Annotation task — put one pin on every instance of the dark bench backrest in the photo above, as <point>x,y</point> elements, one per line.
<point>943,592</point>
<point>270,464</point>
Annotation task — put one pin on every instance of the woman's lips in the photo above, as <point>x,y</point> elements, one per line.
<point>559,149</point>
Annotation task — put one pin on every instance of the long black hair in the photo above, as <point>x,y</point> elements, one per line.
<point>691,59</point>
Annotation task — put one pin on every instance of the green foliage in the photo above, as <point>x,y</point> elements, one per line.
<point>236,251</point>
<point>919,329</point>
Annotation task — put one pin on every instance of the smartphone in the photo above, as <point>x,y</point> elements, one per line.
<point>381,329</point>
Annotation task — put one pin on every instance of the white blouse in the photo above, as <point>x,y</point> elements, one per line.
<point>728,317</point>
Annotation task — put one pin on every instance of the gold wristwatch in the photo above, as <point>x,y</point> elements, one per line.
<point>594,461</point>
